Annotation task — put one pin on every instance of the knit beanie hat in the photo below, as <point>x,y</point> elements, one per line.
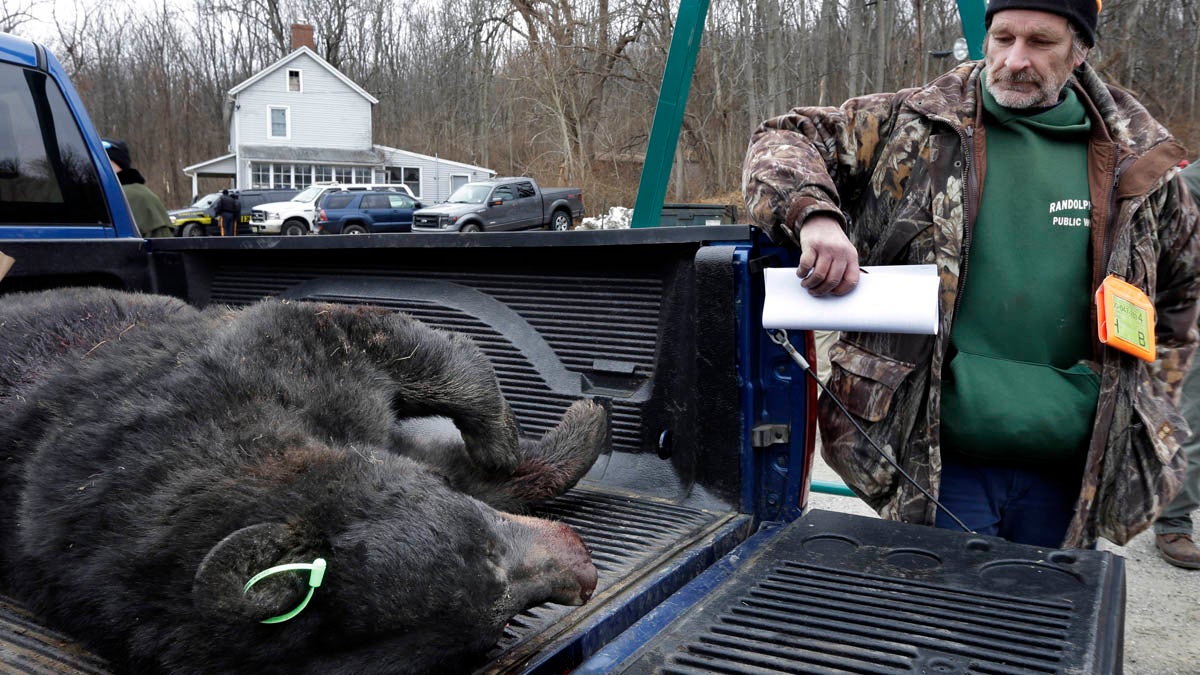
<point>1081,13</point>
<point>118,152</point>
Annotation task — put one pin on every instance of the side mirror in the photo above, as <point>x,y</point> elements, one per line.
<point>418,205</point>
<point>496,202</point>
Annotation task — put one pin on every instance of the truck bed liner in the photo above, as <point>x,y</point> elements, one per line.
<point>838,593</point>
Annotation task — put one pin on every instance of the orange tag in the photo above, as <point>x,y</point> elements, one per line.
<point>1126,318</point>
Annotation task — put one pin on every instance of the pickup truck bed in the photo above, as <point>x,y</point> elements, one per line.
<point>559,322</point>
<point>711,438</point>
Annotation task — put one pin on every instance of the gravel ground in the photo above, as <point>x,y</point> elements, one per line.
<point>1162,611</point>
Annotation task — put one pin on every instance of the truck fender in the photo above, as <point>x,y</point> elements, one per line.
<point>560,218</point>
<point>355,226</point>
<point>290,226</point>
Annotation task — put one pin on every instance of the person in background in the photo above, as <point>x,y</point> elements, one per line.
<point>148,211</point>
<point>228,210</point>
<point>1028,181</point>
<point>1173,530</point>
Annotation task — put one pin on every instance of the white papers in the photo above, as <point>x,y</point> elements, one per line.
<point>888,299</point>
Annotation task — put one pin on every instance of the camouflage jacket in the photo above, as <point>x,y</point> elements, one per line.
<point>903,173</point>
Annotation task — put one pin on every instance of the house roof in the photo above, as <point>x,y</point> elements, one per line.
<point>442,160</point>
<point>301,51</point>
<point>212,165</point>
<point>378,154</point>
<point>296,153</point>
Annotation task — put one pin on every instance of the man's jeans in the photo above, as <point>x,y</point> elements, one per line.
<point>1177,517</point>
<point>1026,505</point>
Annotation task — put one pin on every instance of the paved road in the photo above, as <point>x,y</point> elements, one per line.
<point>1162,613</point>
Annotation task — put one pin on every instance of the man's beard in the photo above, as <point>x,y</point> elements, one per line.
<point>1045,95</point>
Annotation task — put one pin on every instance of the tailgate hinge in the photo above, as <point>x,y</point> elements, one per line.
<point>765,435</point>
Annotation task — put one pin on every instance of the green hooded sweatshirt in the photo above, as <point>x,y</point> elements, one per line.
<point>1018,390</point>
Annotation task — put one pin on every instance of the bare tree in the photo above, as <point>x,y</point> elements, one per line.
<point>14,13</point>
<point>563,89</point>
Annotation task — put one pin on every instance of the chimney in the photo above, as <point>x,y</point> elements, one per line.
<point>302,36</point>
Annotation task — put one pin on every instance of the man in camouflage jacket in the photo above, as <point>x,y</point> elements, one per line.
<point>901,173</point>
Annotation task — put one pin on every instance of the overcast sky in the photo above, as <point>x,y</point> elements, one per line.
<point>44,11</point>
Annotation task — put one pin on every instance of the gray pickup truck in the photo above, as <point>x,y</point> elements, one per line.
<point>502,204</point>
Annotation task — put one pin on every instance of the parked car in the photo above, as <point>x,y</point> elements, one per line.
<point>194,222</point>
<point>354,212</point>
<point>298,215</point>
<point>502,204</point>
<point>198,213</point>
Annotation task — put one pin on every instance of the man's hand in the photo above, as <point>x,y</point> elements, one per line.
<point>828,261</point>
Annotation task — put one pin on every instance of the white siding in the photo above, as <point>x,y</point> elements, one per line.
<point>328,113</point>
<point>435,172</point>
<point>325,113</point>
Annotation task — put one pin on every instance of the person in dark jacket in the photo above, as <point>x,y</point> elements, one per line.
<point>148,211</point>
<point>1014,416</point>
<point>1174,530</point>
<point>228,210</point>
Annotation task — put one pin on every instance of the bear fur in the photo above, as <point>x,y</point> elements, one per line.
<point>155,457</point>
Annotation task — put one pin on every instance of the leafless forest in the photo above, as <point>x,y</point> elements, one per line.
<point>563,90</point>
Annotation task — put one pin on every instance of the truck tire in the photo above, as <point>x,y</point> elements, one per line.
<point>560,221</point>
<point>470,227</point>
<point>192,230</point>
<point>295,228</point>
<point>354,228</point>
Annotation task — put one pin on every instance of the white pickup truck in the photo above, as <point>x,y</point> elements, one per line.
<point>297,215</point>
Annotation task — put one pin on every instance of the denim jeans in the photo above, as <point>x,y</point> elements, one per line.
<point>1177,516</point>
<point>1023,504</point>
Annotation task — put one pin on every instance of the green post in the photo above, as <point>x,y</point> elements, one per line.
<point>668,117</point>
<point>971,12</point>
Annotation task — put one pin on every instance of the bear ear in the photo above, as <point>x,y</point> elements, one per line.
<point>217,590</point>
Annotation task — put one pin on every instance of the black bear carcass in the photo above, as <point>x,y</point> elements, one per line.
<point>156,457</point>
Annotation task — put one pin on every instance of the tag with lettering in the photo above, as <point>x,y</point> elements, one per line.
<point>1125,318</point>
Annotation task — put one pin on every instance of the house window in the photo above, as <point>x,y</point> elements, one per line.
<point>283,176</point>
<point>412,178</point>
<point>301,175</point>
<point>343,174</point>
<point>293,80</point>
<point>362,175</point>
<point>278,123</point>
<point>260,175</point>
<point>322,174</point>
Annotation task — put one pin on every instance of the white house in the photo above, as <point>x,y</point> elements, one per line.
<point>300,120</point>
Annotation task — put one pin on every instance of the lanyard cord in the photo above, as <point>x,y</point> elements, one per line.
<point>780,337</point>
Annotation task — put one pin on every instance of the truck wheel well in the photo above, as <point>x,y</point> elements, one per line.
<point>560,219</point>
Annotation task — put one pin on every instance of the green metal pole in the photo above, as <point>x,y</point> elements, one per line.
<point>668,117</point>
<point>971,13</point>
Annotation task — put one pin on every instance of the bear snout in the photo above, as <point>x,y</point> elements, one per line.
<point>556,564</point>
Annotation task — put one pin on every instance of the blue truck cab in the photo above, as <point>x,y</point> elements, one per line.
<point>55,178</point>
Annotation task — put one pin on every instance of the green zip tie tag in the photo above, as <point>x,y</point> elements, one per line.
<point>316,574</point>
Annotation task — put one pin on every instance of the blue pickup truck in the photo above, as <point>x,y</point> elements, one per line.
<point>55,178</point>
<point>696,520</point>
